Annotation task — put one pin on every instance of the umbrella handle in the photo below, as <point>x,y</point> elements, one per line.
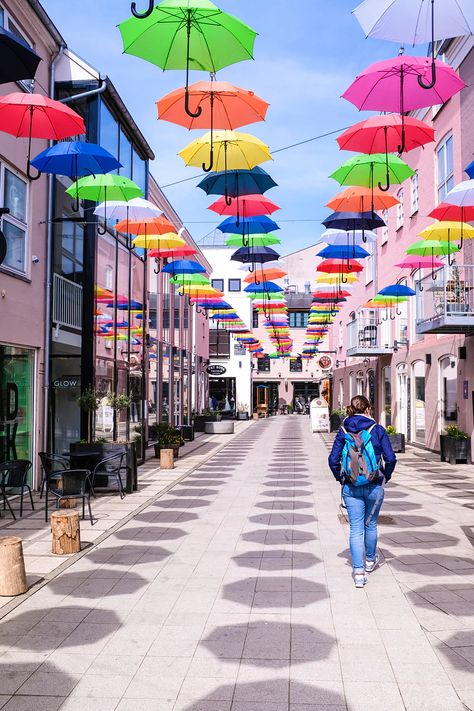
<point>398,312</point>
<point>450,261</point>
<point>101,231</point>
<point>228,200</point>
<point>392,318</point>
<point>75,205</point>
<point>343,279</point>
<point>142,15</point>
<point>186,93</point>
<point>385,187</point>
<point>430,84</point>
<point>401,148</point>
<point>207,169</point>
<point>245,241</point>
<point>420,287</point>
<point>30,174</point>
<point>158,264</point>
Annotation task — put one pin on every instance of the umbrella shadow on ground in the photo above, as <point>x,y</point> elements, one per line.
<point>150,533</point>
<point>439,564</point>
<point>419,540</point>
<point>281,472</point>
<point>283,519</point>
<point>391,494</point>
<point>129,555</point>
<point>269,694</point>
<point>165,517</point>
<point>191,492</point>
<point>293,475</point>
<point>62,627</point>
<point>262,643</point>
<point>204,482</point>
<point>181,503</point>
<point>452,599</point>
<point>29,682</point>
<point>283,505</point>
<point>276,537</point>
<point>287,482</point>
<point>457,650</point>
<point>274,592</point>
<point>93,588</point>
<point>395,506</point>
<point>415,520</point>
<point>217,474</point>
<point>287,492</point>
<point>276,559</point>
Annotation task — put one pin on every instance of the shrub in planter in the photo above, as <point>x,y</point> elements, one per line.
<point>167,437</point>
<point>397,439</point>
<point>455,445</point>
<point>199,421</point>
<point>243,411</point>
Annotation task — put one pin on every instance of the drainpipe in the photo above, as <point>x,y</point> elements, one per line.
<point>49,258</point>
<point>85,94</point>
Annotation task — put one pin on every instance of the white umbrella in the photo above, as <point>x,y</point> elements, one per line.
<point>277,264</point>
<point>416,21</point>
<point>136,209</point>
<point>461,195</point>
<point>341,237</point>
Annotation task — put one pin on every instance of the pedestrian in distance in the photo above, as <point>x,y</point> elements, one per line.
<point>362,461</point>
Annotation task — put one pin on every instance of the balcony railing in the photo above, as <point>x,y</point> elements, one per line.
<point>445,303</point>
<point>67,303</point>
<point>367,337</point>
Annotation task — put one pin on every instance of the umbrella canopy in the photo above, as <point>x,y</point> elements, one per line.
<point>252,240</point>
<point>184,266</point>
<point>18,61</point>
<point>383,134</point>
<point>248,225</point>
<point>100,188</point>
<point>341,237</point>
<point>453,212</point>
<point>167,241</point>
<point>247,206</point>
<point>447,231</point>
<point>431,247</point>
<point>267,287</point>
<point>136,209</point>
<point>370,170</point>
<point>339,266</point>
<point>336,279</point>
<point>191,34</point>
<point>470,169</point>
<point>173,252</point>
<point>25,115</point>
<point>420,263</point>
<point>75,159</point>
<point>187,278</point>
<point>232,150</point>
<point>353,221</point>
<point>264,274</point>
<point>346,252</point>
<point>397,290</point>
<point>360,199</point>
<point>152,226</point>
<point>237,182</point>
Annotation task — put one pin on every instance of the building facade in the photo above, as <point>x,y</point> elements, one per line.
<point>416,362</point>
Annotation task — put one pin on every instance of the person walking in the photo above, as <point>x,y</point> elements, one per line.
<point>362,461</point>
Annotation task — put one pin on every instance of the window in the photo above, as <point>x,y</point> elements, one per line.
<point>384,238</point>
<point>125,155</point>
<point>263,365</point>
<point>15,224</point>
<point>254,318</point>
<point>139,171</point>
<point>444,157</point>
<point>218,284</point>
<point>108,277</point>
<point>234,285</point>
<point>400,210</point>
<point>296,365</point>
<point>109,131</point>
<point>219,343</point>
<point>369,264</point>
<point>414,194</point>
<point>298,319</point>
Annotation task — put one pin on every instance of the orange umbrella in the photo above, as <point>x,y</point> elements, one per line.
<point>358,199</point>
<point>265,275</point>
<point>154,226</point>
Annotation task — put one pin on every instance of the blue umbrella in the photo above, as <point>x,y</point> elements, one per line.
<point>397,290</point>
<point>255,255</point>
<point>343,252</point>
<point>470,170</point>
<point>353,221</point>
<point>265,287</point>
<point>75,159</point>
<point>183,266</point>
<point>248,225</point>
<point>124,307</point>
<point>237,182</point>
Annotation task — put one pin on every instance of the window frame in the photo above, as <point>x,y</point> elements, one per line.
<point>255,318</point>
<point>414,193</point>
<point>442,187</point>
<point>214,284</point>
<point>292,318</point>
<point>15,221</point>
<point>234,279</point>
<point>384,230</point>
<point>400,208</point>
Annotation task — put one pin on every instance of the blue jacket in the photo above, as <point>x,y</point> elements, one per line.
<point>380,440</point>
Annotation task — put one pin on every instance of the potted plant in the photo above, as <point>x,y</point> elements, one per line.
<point>455,445</point>
<point>199,421</point>
<point>397,439</point>
<point>336,418</point>
<point>242,411</point>
<point>118,403</point>
<point>89,402</point>
<point>167,437</point>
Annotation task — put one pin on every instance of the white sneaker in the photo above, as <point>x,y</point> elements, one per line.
<point>360,579</point>
<point>370,565</point>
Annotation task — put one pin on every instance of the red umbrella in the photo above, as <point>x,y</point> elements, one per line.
<point>37,116</point>
<point>339,266</point>
<point>183,251</point>
<point>455,213</point>
<point>245,205</point>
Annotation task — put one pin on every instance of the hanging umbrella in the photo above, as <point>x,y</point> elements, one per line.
<point>18,61</point>
<point>353,221</point>
<point>215,105</point>
<point>150,225</point>
<point>264,274</point>
<point>360,199</point>
<point>453,212</point>
<point>447,231</point>
<point>135,209</point>
<point>166,241</point>
<point>267,287</point>
<point>191,34</point>
<point>172,253</point>
<point>432,248</point>
<point>184,266</point>
<point>420,262</point>
<point>36,116</point>
<point>393,85</point>
<point>396,290</point>
<point>383,134</point>
<point>100,188</point>
<point>186,279</point>
<point>248,226</point>
<point>235,183</point>
<point>232,150</point>
<point>247,206</point>
<point>470,169</point>
<point>252,241</point>
<point>369,171</point>
<point>462,196</point>
<point>417,22</point>
<point>339,266</point>
<point>341,237</point>
<point>336,279</point>
<point>335,252</point>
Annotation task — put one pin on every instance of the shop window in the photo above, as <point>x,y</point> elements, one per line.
<point>263,365</point>
<point>414,194</point>
<point>219,343</point>
<point>234,285</point>
<point>387,395</point>
<point>218,284</point>
<point>449,386</point>
<point>254,318</point>
<point>418,415</point>
<point>15,192</point>
<point>444,159</point>
<point>400,210</point>
<point>16,403</point>
<point>298,319</point>
<point>296,365</point>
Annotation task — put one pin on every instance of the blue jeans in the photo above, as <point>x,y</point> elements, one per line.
<point>363,503</point>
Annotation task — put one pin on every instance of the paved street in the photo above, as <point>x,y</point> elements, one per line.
<point>232,592</point>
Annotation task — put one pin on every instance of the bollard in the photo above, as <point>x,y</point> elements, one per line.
<point>166,459</point>
<point>12,567</point>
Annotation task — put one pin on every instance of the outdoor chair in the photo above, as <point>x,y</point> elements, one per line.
<point>53,465</point>
<point>14,475</point>
<point>73,484</point>
<point>111,467</point>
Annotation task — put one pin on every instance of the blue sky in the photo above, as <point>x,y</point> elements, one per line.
<point>304,59</point>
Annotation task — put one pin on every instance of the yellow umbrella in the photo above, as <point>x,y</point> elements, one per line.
<point>170,240</point>
<point>232,150</point>
<point>447,231</point>
<point>336,278</point>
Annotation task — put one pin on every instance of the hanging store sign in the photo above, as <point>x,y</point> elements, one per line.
<point>325,362</point>
<point>215,369</point>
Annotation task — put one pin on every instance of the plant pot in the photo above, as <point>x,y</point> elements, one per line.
<point>199,421</point>
<point>242,415</point>
<point>454,449</point>
<point>397,441</point>
<point>93,453</point>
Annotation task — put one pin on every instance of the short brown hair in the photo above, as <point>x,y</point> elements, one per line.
<point>359,404</point>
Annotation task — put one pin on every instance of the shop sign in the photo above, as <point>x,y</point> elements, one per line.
<point>66,382</point>
<point>325,362</point>
<point>215,369</point>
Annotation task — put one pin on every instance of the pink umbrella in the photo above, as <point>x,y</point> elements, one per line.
<point>420,262</point>
<point>392,85</point>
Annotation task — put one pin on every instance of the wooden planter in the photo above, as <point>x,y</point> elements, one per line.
<point>99,451</point>
<point>454,449</point>
<point>397,441</point>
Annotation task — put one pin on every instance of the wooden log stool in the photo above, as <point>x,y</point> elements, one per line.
<point>166,459</point>
<point>12,567</point>
<point>66,532</point>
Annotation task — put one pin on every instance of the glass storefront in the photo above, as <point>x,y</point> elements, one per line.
<point>418,402</point>
<point>16,402</point>
<point>387,395</point>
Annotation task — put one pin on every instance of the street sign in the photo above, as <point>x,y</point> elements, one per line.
<point>216,369</point>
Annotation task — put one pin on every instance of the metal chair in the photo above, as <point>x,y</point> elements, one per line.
<point>52,464</point>
<point>111,467</point>
<point>14,475</point>
<point>74,484</point>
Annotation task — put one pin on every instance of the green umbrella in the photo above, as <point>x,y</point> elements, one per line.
<point>369,170</point>
<point>188,34</point>
<point>253,240</point>
<point>186,279</point>
<point>432,247</point>
<point>100,188</point>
